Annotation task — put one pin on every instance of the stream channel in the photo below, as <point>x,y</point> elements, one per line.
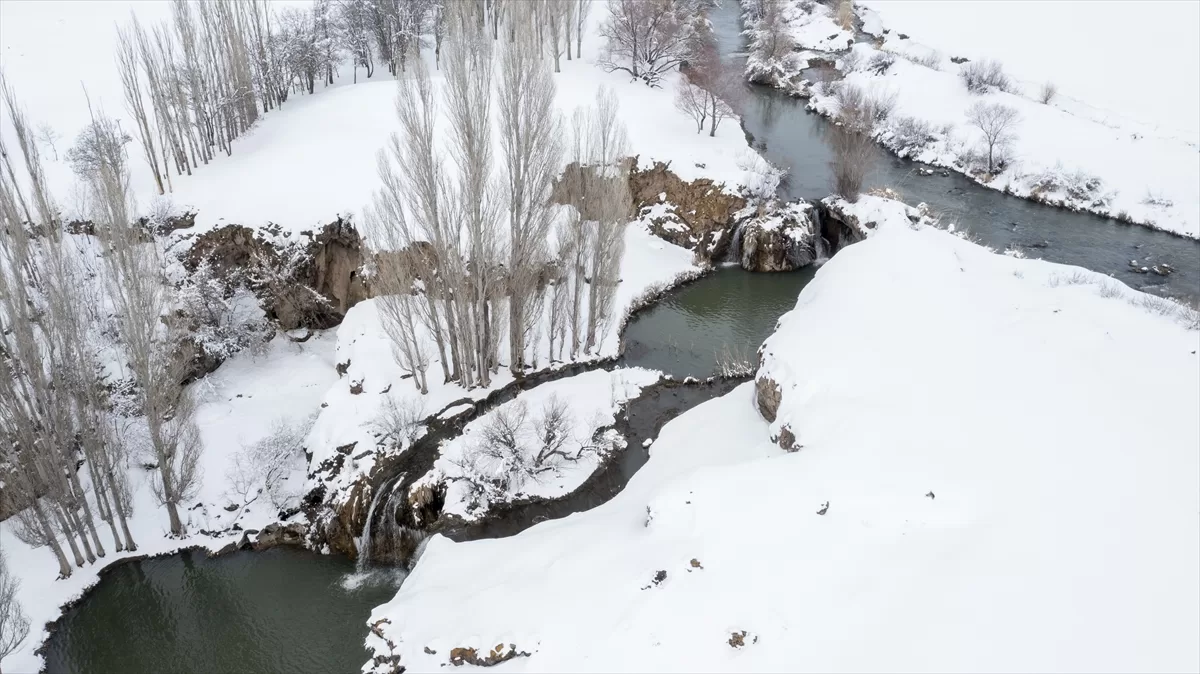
<point>289,610</point>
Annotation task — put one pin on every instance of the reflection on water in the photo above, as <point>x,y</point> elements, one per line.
<point>282,610</point>
<point>683,334</point>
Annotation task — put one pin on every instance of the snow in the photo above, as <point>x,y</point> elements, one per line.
<point>1113,118</point>
<point>272,176</point>
<point>1084,52</point>
<point>592,400</point>
<point>239,404</point>
<point>1010,476</point>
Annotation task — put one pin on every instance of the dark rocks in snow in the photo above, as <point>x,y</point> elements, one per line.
<point>738,639</point>
<point>499,653</point>
<point>787,439</point>
<point>784,238</point>
<point>930,495</point>
<point>824,508</point>
<point>342,368</point>
<point>356,387</point>
<point>277,534</point>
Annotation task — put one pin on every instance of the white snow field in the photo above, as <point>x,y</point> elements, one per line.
<point>1008,450</point>
<point>1133,123</point>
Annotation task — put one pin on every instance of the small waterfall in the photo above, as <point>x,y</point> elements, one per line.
<point>733,255</point>
<point>820,246</point>
<point>364,540</point>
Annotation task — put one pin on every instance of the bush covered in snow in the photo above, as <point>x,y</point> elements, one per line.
<point>982,76</point>
<point>907,136</point>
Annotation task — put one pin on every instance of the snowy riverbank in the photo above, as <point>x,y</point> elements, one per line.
<point>983,437</point>
<point>1084,149</point>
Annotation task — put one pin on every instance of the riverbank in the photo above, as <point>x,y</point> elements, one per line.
<point>1061,152</point>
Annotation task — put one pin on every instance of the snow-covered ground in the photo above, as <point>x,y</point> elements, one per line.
<point>998,472</point>
<point>590,402</point>
<point>1129,123</point>
<point>239,404</point>
<point>314,158</point>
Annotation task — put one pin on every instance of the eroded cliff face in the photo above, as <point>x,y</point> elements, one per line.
<point>698,215</point>
<point>305,281</point>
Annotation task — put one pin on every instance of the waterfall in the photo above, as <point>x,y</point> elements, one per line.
<point>364,540</point>
<point>820,246</point>
<point>734,254</point>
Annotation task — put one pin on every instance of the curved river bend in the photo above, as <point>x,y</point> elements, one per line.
<point>287,610</point>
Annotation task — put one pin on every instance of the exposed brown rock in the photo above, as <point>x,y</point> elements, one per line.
<point>499,653</point>
<point>767,396</point>
<point>703,217</point>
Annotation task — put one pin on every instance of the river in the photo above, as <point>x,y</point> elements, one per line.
<point>288,610</point>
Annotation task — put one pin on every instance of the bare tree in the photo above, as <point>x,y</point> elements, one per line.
<point>399,422</point>
<point>127,67</point>
<point>850,139</point>
<point>143,298</point>
<point>263,467</point>
<point>557,23</point>
<point>49,137</point>
<point>529,137</point>
<point>606,145</point>
<point>580,14</point>
<point>692,100</point>
<point>646,38</point>
<point>771,41</point>
<point>997,122</point>
<point>845,15</point>
<point>14,624</point>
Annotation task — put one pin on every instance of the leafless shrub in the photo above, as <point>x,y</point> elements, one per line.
<point>399,422</point>
<point>692,101</point>
<point>1048,92</point>
<point>980,76</point>
<point>931,59</point>
<point>264,466</point>
<point>1075,278</point>
<point>880,62</point>
<point>1158,305</point>
<point>735,361</point>
<point>851,139</point>
<point>14,624</point>
<point>851,61</point>
<point>1110,289</point>
<point>1155,199</point>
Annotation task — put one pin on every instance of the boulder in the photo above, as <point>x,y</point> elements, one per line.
<point>783,238</point>
<point>276,534</point>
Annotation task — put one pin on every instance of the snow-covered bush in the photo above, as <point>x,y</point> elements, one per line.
<point>1076,185</point>
<point>880,62</point>
<point>981,76</point>
<point>516,448</point>
<point>908,136</point>
<point>264,466</point>
<point>224,315</point>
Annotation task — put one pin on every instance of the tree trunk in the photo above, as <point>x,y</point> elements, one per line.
<point>64,567</point>
<point>69,534</point>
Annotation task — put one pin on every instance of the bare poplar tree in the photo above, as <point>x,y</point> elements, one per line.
<point>529,136</point>
<point>580,14</point>
<point>127,67</point>
<point>607,142</point>
<point>142,297</point>
<point>557,24</point>
<point>468,104</point>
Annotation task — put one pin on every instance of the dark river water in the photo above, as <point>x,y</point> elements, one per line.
<point>283,610</point>
<point>286,610</point>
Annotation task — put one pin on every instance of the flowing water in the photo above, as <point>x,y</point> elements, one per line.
<point>287,610</point>
<point>791,137</point>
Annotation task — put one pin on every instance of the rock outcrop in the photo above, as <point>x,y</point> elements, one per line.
<point>696,215</point>
<point>784,238</point>
<point>307,281</point>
